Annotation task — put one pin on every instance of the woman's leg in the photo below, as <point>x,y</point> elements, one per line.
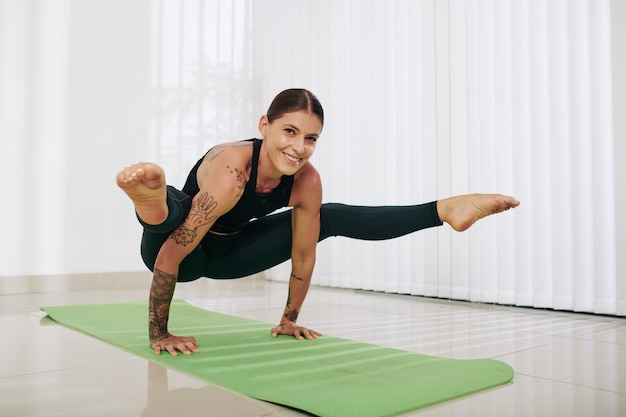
<point>266,242</point>
<point>376,223</point>
<point>178,205</point>
<point>160,209</point>
<point>195,264</point>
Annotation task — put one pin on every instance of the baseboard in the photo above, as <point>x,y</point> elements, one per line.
<point>27,284</point>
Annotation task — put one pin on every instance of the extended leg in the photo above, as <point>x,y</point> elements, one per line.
<point>267,242</point>
<point>376,223</point>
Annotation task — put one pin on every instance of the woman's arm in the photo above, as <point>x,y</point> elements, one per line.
<point>181,242</point>
<point>306,199</point>
<point>221,188</point>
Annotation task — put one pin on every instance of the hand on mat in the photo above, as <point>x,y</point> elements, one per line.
<point>292,329</point>
<point>174,344</point>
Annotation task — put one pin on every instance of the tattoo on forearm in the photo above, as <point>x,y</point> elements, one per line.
<point>161,293</point>
<point>199,215</point>
<point>184,236</point>
<point>294,276</point>
<point>292,315</point>
<point>289,298</point>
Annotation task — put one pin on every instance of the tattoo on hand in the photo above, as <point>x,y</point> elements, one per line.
<point>161,293</point>
<point>294,276</point>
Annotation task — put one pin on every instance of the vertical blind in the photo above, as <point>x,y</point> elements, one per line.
<point>33,133</point>
<point>424,99</point>
<point>436,98</point>
<point>202,80</point>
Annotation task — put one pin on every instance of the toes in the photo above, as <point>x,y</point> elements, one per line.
<point>137,173</point>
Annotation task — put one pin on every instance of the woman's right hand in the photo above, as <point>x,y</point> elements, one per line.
<point>174,344</point>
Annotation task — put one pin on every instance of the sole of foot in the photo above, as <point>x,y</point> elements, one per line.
<point>462,212</point>
<point>144,183</point>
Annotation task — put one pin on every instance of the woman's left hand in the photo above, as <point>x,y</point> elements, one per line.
<point>292,329</point>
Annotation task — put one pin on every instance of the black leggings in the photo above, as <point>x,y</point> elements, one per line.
<point>266,242</point>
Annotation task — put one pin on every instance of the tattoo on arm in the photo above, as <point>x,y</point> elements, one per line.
<point>215,152</point>
<point>292,315</point>
<point>294,276</point>
<point>201,212</point>
<point>161,293</point>
<point>241,182</point>
<point>199,215</point>
<point>184,236</point>
<point>218,149</point>
<point>202,209</point>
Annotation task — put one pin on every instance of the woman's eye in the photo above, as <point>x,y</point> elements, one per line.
<point>311,139</point>
<point>290,131</point>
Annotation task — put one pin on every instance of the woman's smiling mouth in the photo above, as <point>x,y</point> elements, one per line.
<point>291,158</point>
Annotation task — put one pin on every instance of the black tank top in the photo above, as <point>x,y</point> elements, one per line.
<point>251,205</point>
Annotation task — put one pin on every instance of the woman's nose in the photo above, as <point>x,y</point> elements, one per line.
<point>298,144</point>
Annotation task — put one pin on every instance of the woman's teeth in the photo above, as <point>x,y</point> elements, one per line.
<point>291,158</point>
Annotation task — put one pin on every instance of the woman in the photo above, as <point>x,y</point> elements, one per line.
<point>206,229</point>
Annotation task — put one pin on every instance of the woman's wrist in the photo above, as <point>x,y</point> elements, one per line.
<point>290,316</point>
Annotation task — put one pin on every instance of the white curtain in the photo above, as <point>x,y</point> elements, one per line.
<point>436,98</point>
<point>74,109</point>
<point>424,99</point>
<point>33,133</point>
<point>204,90</point>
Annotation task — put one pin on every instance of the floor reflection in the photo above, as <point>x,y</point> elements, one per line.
<point>208,400</point>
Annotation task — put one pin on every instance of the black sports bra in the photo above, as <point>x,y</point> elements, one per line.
<point>251,205</point>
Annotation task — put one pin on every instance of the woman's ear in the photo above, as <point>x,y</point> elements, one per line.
<point>263,125</point>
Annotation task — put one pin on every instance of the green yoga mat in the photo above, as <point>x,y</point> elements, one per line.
<point>328,376</point>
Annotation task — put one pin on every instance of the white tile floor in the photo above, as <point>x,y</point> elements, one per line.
<point>566,364</point>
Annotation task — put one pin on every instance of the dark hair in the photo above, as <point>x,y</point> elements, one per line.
<point>294,99</point>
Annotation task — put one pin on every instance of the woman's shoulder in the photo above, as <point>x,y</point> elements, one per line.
<point>237,150</point>
<point>224,160</point>
<point>307,175</point>
<point>307,187</point>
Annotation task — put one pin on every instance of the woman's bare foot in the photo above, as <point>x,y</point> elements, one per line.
<point>145,184</point>
<point>462,211</point>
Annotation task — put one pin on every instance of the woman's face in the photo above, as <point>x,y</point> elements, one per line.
<point>290,140</point>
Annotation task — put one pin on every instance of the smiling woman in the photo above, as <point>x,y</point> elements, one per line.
<point>300,119</point>
<point>220,225</point>
<point>290,141</point>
